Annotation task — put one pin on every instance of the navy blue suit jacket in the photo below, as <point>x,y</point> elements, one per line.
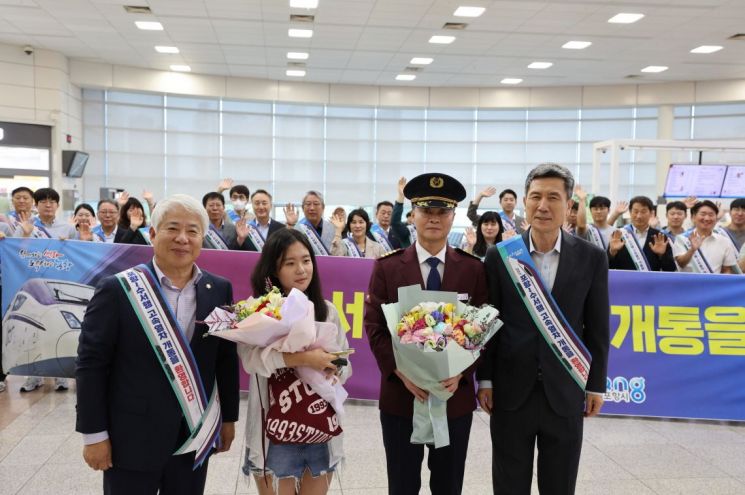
<point>121,387</point>
<point>514,356</point>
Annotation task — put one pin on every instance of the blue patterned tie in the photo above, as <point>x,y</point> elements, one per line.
<point>433,279</point>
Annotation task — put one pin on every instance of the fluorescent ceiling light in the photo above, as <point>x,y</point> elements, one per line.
<point>540,65</point>
<point>576,45</point>
<point>654,68</point>
<point>300,33</point>
<point>511,80</point>
<point>295,73</point>
<point>421,60</point>
<point>405,77</point>
<point>442,40</point>
<point>468,11</point>
<point>625,18</point>
<point>149,25</point>
<point>707,49</point>
<point>304,4</point>
<point>297,55</point>
<point>166,49</point>
<point>181,68</point>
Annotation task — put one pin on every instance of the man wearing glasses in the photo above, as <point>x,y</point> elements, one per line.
<point>320,232</point>
<point>108,215</point>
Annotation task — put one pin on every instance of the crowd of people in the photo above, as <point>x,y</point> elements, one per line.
<point>527,392</point>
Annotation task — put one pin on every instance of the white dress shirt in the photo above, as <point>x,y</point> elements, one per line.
<point>423,255</point>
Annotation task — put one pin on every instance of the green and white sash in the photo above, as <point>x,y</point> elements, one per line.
<point>546,314</point>
<point>635,250</point>
<point>352,249</point>
<point>699,263</point>
<point>596,237</point>
<point>726,233</point>
<point>319,249</point>
<point>381,237</point>
<point>214,239</point>
<point>255,235</point>
<point>174,354</point>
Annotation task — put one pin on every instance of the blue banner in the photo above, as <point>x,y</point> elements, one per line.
<point>677,345</point>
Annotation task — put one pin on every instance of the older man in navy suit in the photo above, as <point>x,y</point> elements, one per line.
<point>155,399</point>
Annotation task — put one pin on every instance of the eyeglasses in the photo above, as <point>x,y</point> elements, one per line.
<point>314,204</point>
<point>107,212</point>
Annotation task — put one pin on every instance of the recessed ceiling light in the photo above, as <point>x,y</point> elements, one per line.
<point>625,18</point>
<point>303,4</point>
<point>300,33</point>
<point>540,65</point>
<point>442,40</point>
<point>707,49</point>
<point>181,68</point>
<point>149,25</point>
<point>654,68</point>
<point>511,80</point>
<point>468,11</point>
<point>295,73</point>
<point>405,77</point>
<point>421,60</point>
<point>576,45</point>
<point>297,55</point>
<point>166,49</point>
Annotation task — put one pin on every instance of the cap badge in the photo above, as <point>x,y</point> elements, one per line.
<point>436,182</point>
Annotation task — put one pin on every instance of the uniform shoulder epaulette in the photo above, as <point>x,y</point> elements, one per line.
<point>466,253</point>
<point>392,253</point>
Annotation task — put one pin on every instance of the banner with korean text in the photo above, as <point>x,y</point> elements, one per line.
<point>677,339</point>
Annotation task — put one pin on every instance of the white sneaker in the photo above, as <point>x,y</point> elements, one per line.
<point>31,383</point>
<point>60,384</point>
<point>2,386</point>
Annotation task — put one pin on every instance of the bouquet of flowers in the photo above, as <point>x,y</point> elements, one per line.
<point>433,341</point>
<point>284,324</point>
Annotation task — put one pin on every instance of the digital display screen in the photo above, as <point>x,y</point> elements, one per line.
<point>703,181</point>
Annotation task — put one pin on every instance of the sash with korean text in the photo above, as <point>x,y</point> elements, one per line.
<point>509,224</point>
<point>381,236</point>
<point>596,237</point>
<point>698,262</point>
<point>99,235</point>
<point>726,233</point>
<point>634,249</point>
<point>174,354</point>
<point>546,314</point>
<point>255,235</point>
<point>214,239</point>
<point>319,249</point>
<point>412,233</point>
<point>234,216</point>
<point>352,249</point>
<point>40,232</point>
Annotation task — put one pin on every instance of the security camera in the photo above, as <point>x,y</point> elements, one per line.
<point>28,50</point>
<point>622,148</point>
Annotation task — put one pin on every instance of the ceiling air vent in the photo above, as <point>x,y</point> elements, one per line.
<point>455,26</point>
<point>412,69</point>
<point>632,76</point>
<point>296,65</point>
<point>302,18</point>
<point>137,9</point>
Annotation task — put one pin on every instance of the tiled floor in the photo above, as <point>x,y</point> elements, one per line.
<point>41,454</point>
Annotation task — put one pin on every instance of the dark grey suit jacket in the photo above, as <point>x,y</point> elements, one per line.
<point>518,351</point>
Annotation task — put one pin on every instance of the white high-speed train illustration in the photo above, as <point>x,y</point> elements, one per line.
<point>41,327</point>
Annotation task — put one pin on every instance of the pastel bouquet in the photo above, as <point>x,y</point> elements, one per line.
<point>435,337</point>
<point>432,325</point>
<point>284,324</point>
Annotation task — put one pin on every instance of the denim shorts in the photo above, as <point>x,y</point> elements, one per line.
<point>292,459</point>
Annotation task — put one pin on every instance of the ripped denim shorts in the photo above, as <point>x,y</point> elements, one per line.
<point>290,460</point>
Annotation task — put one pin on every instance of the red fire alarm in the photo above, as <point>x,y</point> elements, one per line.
<point>69,139</point>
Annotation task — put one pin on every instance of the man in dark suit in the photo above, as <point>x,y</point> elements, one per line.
<point>653,243</point>
<point>431,263</point>
<point>258,230</point>
<point>522,384</point>
<point>128,410</point>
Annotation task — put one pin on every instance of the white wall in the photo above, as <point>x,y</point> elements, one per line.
<point>36,89</point>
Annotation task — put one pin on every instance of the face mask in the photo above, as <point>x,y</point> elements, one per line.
<point>239,205</point>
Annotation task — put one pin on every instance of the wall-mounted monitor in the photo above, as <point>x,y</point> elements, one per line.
<point>734,182</point>
<point>73,163</point>
<point>703,181</point>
